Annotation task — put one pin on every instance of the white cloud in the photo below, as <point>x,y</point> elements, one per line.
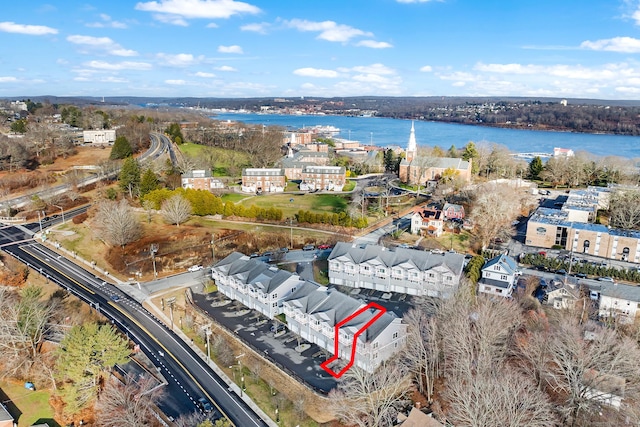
<point>114,66</point>
<point>212,25</point>
<point>373,69</point>
<point>101,43</point>
<point>374,44</point>
<point>32,30</point>
<point>636,16</point>
<point>329,30</point>
<point>176,12</point>
<point>458,84</point>
<point>260,28</point>
<point>226,68</point>
<point>205,75</point>
<point>180,59</point>
<point>230,49</point>
<point>315,72</point>
<point>107,22</point>
<point>113,79</point>
<point>616,44</point>
<point>426,69</point>
<point>176,82</point>
<point>8,79</point>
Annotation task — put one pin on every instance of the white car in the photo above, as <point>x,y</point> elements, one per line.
<point>195,268</point>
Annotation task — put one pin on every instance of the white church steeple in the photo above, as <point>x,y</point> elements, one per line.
<point>412,146</point>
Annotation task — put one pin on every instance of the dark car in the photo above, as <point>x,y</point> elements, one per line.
<point>268,254</point>
<point>308,247</point>
<point>204,405</point>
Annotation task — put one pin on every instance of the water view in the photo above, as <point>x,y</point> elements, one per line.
<point>384,132</point>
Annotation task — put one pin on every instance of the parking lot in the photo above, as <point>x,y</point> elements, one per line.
<point>271,339</point>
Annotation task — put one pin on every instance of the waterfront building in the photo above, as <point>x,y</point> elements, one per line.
<point>259,180</point>
<point>200,179</point>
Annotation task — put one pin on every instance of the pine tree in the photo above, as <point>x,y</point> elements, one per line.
<point>130,176</point>
<point>535,167</point>
<point>121,149</point>
<point>148,182</point>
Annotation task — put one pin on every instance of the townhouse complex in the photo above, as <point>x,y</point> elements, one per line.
<point>406,271</point>
<point>311,310</point>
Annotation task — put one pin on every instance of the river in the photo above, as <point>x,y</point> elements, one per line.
<point>386,132</point>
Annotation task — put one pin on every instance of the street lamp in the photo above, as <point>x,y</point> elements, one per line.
<point>213,249</point>
<point>291,233</point>
<point>39,221</point>
<point>208,332</point>
<point>56,206</point>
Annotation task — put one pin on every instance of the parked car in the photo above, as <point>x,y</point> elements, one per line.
<point>284,250</point>
<point>268,254</point>
<point>606,279</point>
<point>323,247</point>
<point>195,268</point>
<point>308,247</point>
<point>254,255</point>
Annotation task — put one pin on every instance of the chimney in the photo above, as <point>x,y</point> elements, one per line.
<point>418,405</point>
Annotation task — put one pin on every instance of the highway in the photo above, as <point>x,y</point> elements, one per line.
<point>159,145</point>
<point>188,375</point>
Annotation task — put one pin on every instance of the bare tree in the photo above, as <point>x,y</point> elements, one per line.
<point>498,397</point>
<point>624,208</point>
<point>495,207</point>
<point>420,354</point>
<point>176,210</point>
<point>128,403</point>
<point>370,399</point>
<point>581,371</point>
<point>118,223</point>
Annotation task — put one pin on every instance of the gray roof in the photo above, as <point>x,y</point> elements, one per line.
<point>442,163</point>
<point>422,260</point>
<point>262,172</point>
<point>4,414</point>
<point>198,173</point>
<point>506,262</point>
<point>332,306</point>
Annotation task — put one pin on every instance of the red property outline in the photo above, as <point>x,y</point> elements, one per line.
<point>324,365</point>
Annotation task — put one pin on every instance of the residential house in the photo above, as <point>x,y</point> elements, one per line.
<point>257,285</point>
<point>313,311</point>
<point>427,219</point>
<point>417,418</point>
<point>499,276</point>
<point>406,271</point>
<point>331,178</point>
<point>259,180</point>
<point>453,211</point>
<point>617,301</point>
<point>564,296</point>
<point>200,179</point>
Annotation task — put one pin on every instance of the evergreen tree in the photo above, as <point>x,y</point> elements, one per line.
<point>121,149</point>
<point>453,151</point>
<point>130,176</point>
<point>148,182</point>
<point>471,153</point>
<point>535,168</point>
<point>85,355</point>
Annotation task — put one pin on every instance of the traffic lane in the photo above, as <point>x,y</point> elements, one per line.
<point>180,356</point>
<point>179,396</point>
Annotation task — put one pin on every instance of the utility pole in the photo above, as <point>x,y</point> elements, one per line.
<point>291,233</point>
<point>153,249</point>
<point>213,249</point>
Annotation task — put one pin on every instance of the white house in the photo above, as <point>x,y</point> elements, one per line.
<point>499,276</point>
<point>618,301</point>
<point>313,311</point>
<point>563,297</point>
<point>104,136</point>
<point>428,220</point>
<point>255,284</point>
<point>406,271</point>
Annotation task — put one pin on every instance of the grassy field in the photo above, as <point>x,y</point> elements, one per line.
<point>222,159</point>
<point>29,406</point>
<point>290,204</point>
<point>234,197</point>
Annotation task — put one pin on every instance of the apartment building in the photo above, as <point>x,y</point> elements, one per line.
<point>263,180</point>
<point>200,179</point>
<point>329,178</point>
<point>406,271</point>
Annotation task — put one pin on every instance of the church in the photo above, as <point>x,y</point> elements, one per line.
<point>416,169</point>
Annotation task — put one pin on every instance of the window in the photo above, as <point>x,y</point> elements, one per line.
<point>275,304</point>
<point>274,296</point>
<point>375,344</point>
<point>503,277</point>
<point>395,335</point>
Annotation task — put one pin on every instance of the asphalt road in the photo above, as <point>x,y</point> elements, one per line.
<point>188,376</point>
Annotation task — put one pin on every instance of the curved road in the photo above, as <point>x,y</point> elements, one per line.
<point>188,375</point>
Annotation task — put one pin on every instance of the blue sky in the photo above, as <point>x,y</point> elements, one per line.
<point>227,48</point>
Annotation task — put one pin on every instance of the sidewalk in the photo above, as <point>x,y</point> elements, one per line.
<point>138,293</point>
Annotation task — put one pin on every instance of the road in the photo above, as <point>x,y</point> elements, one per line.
<point>188,375</point>
<point>159,145</point>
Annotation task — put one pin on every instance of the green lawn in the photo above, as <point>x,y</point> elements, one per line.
<point>234,197</point>
<point>290,204</point>
<point>222,159</point>
<point>33,405</point>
